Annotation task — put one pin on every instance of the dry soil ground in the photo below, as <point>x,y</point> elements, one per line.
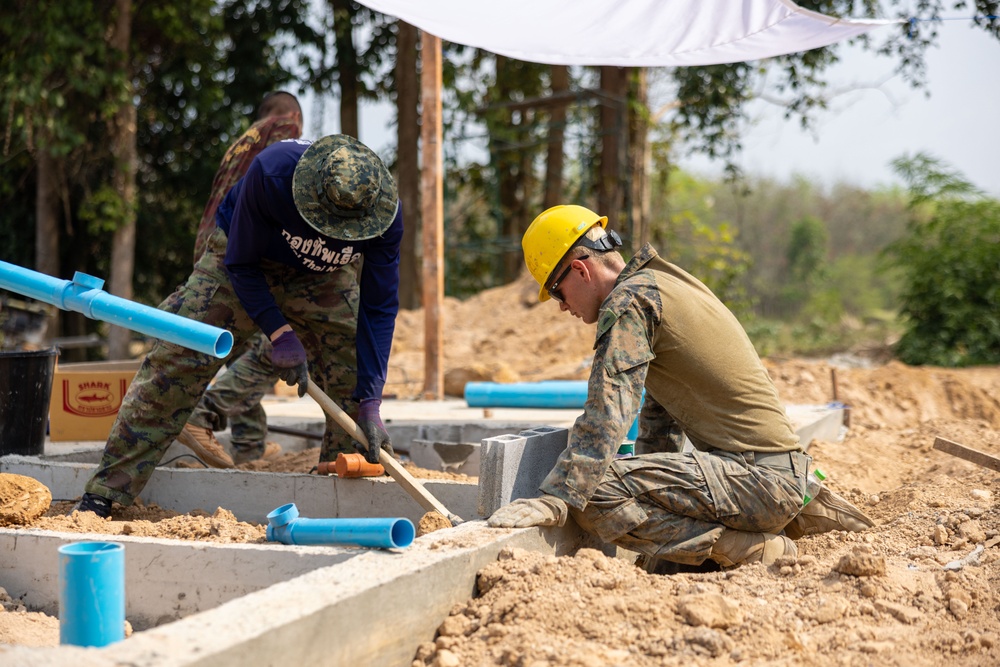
<point>921,588</point>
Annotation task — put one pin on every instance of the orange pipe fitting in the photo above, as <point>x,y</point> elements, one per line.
<point>350,465</point>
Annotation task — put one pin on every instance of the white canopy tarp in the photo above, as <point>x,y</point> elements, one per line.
<point>628,33</point>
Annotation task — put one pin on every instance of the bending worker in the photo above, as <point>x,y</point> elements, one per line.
<point>284,260</point>
<point>660,329</point>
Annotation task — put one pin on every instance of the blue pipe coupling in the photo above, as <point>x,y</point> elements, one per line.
<point>285,526</point>
<point>84,294</point>
<point>91,593</point>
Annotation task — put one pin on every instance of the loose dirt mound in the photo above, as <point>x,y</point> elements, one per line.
<point>22,499</point>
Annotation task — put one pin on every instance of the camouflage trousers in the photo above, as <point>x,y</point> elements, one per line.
<point>675,506</point>
<point>321,308</point>
<point>234,398</point>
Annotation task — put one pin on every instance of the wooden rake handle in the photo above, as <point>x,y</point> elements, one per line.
<point>392,466</point>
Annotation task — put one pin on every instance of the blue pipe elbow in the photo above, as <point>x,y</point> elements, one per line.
<point>84,294</point>
<point>285,526</point>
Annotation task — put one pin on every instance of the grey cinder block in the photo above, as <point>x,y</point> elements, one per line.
<point>513,466</point>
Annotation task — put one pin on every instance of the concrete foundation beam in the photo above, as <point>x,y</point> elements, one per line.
<point>164,579</point>
<point>374,609</point>
<point>250,496</point>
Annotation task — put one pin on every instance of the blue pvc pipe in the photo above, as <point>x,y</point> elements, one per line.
<point>556,394</point>
<point>547,394</point>
<point>283,525</point>
<point>91,593</point>
<point>84,294</point>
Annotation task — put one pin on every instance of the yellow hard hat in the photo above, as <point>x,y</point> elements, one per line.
<point>551,235</point>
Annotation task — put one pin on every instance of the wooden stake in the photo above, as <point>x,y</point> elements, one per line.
<point>391,465</point>
<point>967,453</point>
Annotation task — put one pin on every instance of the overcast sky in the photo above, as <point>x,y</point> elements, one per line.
<point>855,140</point>
<point>864,130</point>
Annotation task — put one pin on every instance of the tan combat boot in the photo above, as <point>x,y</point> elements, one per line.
<point>202,442</point>
<point>247,453</point>
<point>736,547</point>
<point>827,511</point>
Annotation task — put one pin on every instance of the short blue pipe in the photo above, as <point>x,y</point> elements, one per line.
<point>556,394</point>
<point>547,394</point>
<point>84,294</point>
<point>285,526</point>
<point>91,593</point>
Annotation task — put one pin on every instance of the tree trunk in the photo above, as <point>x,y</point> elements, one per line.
<point>47,229</point>
<point>432,241</point>
<point>639,156</point>
<point>347,66</point>
<point>123,148</point>
<point>557,133</point>
<point>614,88</point>
<point>407,162</point>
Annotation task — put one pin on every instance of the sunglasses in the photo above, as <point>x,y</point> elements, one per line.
<point>553,289</point>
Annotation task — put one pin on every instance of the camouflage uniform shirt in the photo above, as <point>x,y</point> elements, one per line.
<point>662,330</point>
<point>234,164</point>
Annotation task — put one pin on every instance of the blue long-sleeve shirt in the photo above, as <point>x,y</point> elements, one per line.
<point>261,221</point>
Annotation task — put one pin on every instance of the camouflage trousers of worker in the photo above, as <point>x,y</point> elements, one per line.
<point>234,398</point>
<point>322,309</point>
<point>675,506</point>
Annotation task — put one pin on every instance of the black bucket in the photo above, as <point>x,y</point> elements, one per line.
<point>25,388</point>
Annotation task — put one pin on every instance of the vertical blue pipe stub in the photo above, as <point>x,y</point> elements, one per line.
<point>91,593</point>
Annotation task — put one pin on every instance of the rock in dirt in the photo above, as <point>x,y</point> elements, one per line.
<point>22,499</point>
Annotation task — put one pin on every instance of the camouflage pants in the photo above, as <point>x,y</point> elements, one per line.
<point>675,506</point>
<point>234,399</point>
<point>321,308</point>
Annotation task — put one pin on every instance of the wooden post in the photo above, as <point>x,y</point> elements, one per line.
<point>432,212</point>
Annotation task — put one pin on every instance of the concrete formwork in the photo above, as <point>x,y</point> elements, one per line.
<point>275,604</point>
<point>373,609</point>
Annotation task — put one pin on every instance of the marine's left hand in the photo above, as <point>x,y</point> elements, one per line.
<point>370,423</point>
<point>524,512</point>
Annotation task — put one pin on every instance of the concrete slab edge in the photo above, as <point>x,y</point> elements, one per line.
<point>373,609</point>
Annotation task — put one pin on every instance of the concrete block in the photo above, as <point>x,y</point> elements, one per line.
<point>513,466</point>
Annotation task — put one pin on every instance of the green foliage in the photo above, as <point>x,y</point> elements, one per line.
<point>688,233</point>
<point>198,70</point>
<point>806,263</point>
<point>948,260</point>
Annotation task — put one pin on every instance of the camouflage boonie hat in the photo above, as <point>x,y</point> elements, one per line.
<point>343,190</point>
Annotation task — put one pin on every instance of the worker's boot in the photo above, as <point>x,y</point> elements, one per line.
<point>827,511</point>
<point>202,442</point>
<point>91,502</point>
<point>244,453</point>
<point>736,547</point>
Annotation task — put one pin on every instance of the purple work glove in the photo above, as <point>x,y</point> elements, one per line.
<point>289,360</point>
<point>370,424</point>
